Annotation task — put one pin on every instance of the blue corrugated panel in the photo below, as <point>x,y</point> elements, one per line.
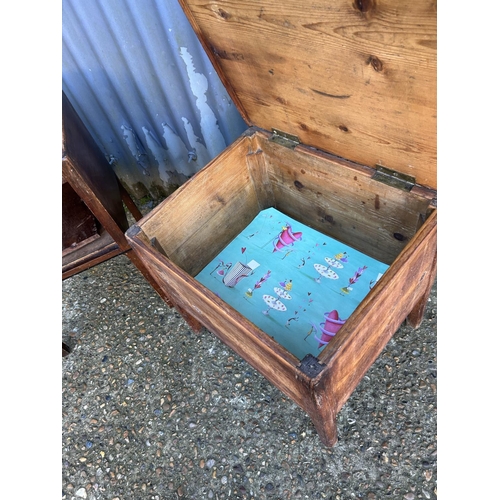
<point>141,82</point>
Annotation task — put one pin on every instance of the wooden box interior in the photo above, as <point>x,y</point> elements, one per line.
<point>333,196</point>
<point>179,237</point>
<point>355,83</point>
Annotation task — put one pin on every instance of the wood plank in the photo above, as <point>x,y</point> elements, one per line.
<point>78,246</point>
<point>96,205</point>
<point>341,200</point>
<point>335,197</point>
<point>258,170</point>
<point>129,202</point>
<point>356,79</point>
<point>95,179</point>
<point>94,252</point>
<point>206,212</point>
<point>78,222</point>
<point>259,349</point>
<point>361,339</point>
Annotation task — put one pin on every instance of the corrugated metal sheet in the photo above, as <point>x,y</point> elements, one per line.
<point>141,82</point>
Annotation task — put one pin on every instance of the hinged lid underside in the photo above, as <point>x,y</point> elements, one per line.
<point>355,78</point>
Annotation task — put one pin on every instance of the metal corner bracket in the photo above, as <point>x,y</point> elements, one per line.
<point>310,366</point>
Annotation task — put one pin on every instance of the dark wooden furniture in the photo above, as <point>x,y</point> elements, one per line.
<point>352,85</point>
<point>66,350</point>
<point>94,219</point>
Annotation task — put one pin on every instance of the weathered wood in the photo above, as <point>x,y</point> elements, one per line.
<point>88,254</point>
<point>257,348</point>
<point>195,325</point>
<point>153,281</point>
<point>129,202</point>
<point>341,199</point>
<point>205,215</point>
<point>65,350</point>
<point>416,315</point>
<point>258,169</point>
<point>356,79</point>
<point>335,197</point>
<point>78,222</point>
<point>86,168</point>
<point>94,203</point>
<point>307,185</point>
<point>356,82</point>
<point>361,339</point>
<point>94,185</point>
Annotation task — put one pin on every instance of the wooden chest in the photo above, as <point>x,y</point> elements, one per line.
<point>340,99</point>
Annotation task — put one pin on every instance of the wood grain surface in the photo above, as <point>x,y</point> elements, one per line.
<point>182,234</point>
<point>353,78</point>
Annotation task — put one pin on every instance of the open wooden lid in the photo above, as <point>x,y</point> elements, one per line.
<point>355,78</point>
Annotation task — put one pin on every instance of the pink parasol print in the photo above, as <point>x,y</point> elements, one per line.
<point>330,327</point>
<point>286,238</point>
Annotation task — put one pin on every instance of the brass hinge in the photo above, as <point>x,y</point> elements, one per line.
<point>394,178</point>
<point>288,140</point>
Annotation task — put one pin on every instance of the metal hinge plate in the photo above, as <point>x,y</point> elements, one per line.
<point>288,140</point>
<point>394,178</point>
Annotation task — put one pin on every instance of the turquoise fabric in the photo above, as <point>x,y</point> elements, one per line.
<point>294,283</point>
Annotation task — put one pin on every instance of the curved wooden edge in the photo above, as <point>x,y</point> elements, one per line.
<point>365,334</point>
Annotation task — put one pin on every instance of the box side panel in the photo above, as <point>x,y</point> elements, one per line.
<point>197,221</point>
<point>259,170</point>
<point>342,201</point>
<point>357,345</point>
<point>258,349</point>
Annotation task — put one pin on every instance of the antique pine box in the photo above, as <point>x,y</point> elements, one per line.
<point>340,99</point>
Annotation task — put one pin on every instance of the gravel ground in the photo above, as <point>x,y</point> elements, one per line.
<point>151,410</point>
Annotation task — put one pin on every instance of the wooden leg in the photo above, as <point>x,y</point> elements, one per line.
<point>326,427</point>
<point>321,405</point>
<point>129,203</point>
<point>414,319</point>
<point>193,323</point>
<point>142,268</point>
